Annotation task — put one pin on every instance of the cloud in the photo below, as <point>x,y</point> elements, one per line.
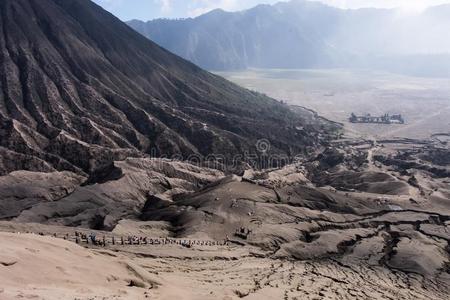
<point>110,4</point>
<point>149,9</point>
<point>165,6</point>
<point>198,7</point>
<point>405,4</point>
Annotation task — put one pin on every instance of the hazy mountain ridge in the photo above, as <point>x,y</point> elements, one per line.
<point>81,89</point>
<point>303,34</point>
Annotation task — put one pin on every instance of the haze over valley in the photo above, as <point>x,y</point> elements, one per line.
<point>336,93</point>
<point>305,34</point>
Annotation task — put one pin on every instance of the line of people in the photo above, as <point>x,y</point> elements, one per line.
<point>139,240</point>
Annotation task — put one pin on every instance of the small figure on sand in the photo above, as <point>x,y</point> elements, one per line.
<point>92,237</point>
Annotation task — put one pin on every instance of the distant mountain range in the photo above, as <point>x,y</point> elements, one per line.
<point>79,89</point>
<point>304,34</point>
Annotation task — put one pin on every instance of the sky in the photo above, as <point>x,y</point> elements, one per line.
<point>152,9</point>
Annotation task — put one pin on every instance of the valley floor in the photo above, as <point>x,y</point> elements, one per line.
<point>69,271</point>
<point>336,93</point>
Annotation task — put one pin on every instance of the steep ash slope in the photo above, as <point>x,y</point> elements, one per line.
<point>79,88</point>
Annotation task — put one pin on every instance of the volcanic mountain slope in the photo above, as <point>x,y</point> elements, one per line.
<point>79,88</point>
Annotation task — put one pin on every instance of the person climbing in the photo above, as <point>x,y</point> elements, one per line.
<point>92,237</point>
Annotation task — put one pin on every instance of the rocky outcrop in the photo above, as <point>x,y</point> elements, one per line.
<point>21,190</point>
<point>100,202</point>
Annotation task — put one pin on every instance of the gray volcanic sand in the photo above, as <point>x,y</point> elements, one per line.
<point>361,220</point>
<point>68,271</point>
